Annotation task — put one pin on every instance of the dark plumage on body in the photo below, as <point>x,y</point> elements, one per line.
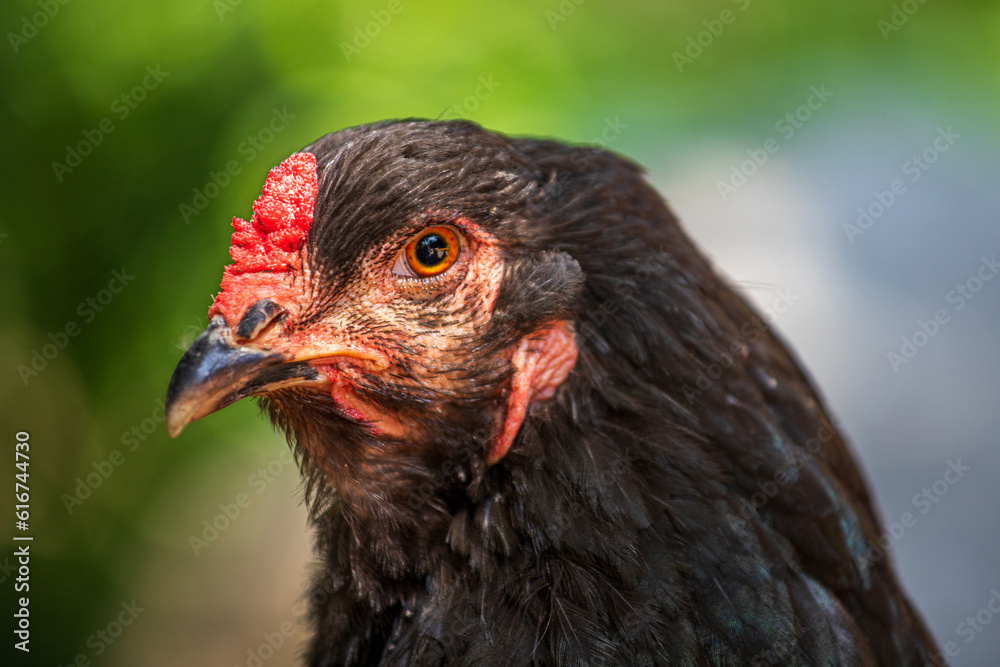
<point>575,445</point>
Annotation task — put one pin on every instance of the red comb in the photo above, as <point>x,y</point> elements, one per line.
<point>271,240</point>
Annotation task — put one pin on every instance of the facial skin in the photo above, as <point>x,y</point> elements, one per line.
<point>399,349</point>
<point>390,335</point>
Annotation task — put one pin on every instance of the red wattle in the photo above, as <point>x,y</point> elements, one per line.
<point>338,391</point>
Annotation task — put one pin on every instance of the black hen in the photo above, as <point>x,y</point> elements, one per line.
<point>536,427</point>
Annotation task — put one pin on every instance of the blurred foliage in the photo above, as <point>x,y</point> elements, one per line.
<point>557,68</point>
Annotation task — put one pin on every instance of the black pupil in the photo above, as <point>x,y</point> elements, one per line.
<point>431,250</point>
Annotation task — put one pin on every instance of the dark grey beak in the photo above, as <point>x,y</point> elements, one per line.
<point>216,372</point>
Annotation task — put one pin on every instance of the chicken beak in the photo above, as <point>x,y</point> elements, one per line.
<point>216,372</point>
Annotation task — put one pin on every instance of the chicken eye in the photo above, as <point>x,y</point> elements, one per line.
<point>431,253</point>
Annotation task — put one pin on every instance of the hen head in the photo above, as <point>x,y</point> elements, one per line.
<point>399,301</point>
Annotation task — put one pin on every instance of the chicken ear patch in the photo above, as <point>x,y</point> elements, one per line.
<point>265,250</point>
<point>542,361</point>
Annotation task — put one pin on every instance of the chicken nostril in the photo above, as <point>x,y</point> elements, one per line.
<point>257,317</point>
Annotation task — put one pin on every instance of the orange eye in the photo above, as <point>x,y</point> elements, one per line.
<point>432,252</point>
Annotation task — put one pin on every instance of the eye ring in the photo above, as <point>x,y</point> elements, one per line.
<point>431,252</point>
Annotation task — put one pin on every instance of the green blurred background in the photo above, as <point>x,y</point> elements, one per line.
<point>227,75</point>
